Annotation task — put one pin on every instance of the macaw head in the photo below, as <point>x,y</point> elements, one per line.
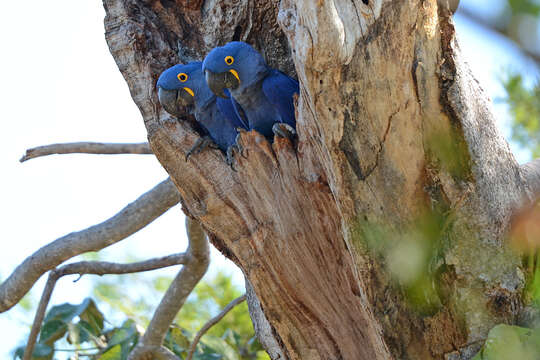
<point>233,66</point>
<point>183,85</point>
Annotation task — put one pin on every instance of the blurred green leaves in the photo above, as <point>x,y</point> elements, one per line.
<point>413,257</point>
<point>74,323</point>
<point>525,108</point>
<point>530,7</point>
<point>506,342</point>
<point>82,328</point>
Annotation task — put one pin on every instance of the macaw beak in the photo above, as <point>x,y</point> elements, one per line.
<point>173,100</point>
<point>218,82</point>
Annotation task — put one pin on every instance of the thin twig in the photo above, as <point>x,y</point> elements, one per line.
<point>129,220</point>
<point>86,148</point>
<point>94,268</point>
<point>75,350</point>
<point>40,315</point>
<point>211,323</point>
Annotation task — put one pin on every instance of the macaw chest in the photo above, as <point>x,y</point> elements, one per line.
<point>260,113</point>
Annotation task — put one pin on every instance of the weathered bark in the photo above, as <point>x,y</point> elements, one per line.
<point>392,126</point>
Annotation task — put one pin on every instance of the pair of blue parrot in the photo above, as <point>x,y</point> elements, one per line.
<point>232,90</point>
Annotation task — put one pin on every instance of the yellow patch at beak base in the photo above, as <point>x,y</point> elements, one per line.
<point>232,71</point>
<point>190,91</point>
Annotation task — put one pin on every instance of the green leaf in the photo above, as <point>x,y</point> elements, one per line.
<point>207,356</point>
<point>262,355</point>
<point>177,340</point>
<point>92,316</point>
<point>64,312</point>
<point>41,351</point>
<point>216,345</point>
<point>232,338</point>
<point>85,331</point>
<point>511,342</point>
<point>114,353</point>
<point>127,332</point>
<point>125,336</point>
<point>52,331</point>
<point>178,337</point>
<point>18,353</point>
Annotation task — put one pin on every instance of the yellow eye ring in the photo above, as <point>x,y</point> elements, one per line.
<point>182,77</point>
<point>229,60</point>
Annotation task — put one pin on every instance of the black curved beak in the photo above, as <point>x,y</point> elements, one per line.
<point>174,100</point>
<point>217,82</point>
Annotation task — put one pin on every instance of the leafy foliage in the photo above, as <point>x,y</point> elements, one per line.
<point>77,324</point>
<point>511,342</point>
<point>530,7</point>
<point>525,107</point>
<point>82,327</point>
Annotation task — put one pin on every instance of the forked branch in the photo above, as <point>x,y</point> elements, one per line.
<point>129,220</point>
<point>95,268</point>
<point>86,148</point>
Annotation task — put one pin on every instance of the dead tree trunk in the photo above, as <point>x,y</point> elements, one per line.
<point>392,128</point>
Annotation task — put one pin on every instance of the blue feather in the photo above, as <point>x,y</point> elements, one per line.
<point>264,95</point>
<point>279,89</point>
<point>217,116</point>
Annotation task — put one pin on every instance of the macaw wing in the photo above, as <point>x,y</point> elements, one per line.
<point>227,108</point>
<point>279,90</point>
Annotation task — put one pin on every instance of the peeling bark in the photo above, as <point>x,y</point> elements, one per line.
<point>385,98</point>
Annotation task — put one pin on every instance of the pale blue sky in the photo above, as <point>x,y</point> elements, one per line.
<point>58,83</point>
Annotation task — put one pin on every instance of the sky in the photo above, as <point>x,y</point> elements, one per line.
<point>59,83</point>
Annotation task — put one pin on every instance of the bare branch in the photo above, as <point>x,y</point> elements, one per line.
<point>86,148</point>
<point>129,220</point>
<point>213,322</point>
<point>531,173</point>
<point>94,268</point>
<point>173,300</point>
<point>106,268</point>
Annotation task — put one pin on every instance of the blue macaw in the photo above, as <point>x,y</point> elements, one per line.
<point>184,86</point>
<point>262,96</point>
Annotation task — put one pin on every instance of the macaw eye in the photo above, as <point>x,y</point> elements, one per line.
<point>229,60</point>
<point>182,77</point>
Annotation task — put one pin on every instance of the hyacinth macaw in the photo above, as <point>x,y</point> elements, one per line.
<point>262,96</point>
<point>184,86</point>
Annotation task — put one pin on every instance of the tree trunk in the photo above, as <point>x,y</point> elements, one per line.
<point>398,158</point>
